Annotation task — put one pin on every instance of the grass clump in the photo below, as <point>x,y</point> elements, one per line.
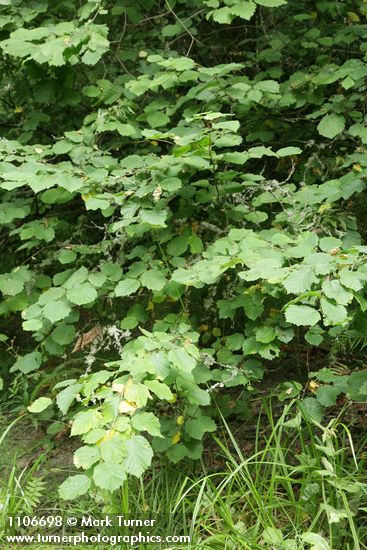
<point>303,486</point>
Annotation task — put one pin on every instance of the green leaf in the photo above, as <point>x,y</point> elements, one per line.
<point>195,244</point>
<point>302,315</point>
<point>329,243</point>
<point>83,294</point>
<point>113,450</point>
<point>137,393</point>
<point>85,421</point>
<point>334,313</point>
<point>77,278</point>
<point>300,280</point>
<point>350,279</point>
<point>95,203</point>
<point>235,341</point>
<point>160,389</point>
<point>32,325</point>
<point>316,541</point>
<point>181,359</point>
<point>312,409</point>
<point>10,284</point>
<point>67,256</point>
<point>223,15</point>
<point>326,395</point>
<point>56,311</point>
<point>139,455</point>
<point>153,279</point>
<point>265,335</point>
<point>245,10</point>
<point>126,130</point>
<point>127,287</point>
<point>335,291</point>
<point>272,536</point>
<point>40,405</point>
<point>28,363</point>
<point>86,456</point>
<point>314,337</point>
<point>65,398</point>
<point>74,486</point>
<point>170,184</point>
<point>334,515</point>
<point>97,279</point>
<point>271,3</point>
<point>109,476</point>
<point>268,86</point>
<point>178,245</point>
<point>63,334</point>
<point>157,119</point>
<point>146,421</point>
<point>288,151</point>
<point>155,218</point>
<point>197,427</point>
<point>331,125</point>
<point>357,385</point>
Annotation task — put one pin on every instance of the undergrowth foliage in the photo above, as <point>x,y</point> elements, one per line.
<point>182,185</point>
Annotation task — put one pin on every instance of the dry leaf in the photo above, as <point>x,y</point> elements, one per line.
<point>87,338</point>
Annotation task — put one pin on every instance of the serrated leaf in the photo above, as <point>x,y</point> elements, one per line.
<point>113,450</point>
<point>312,409</point>
<point>197,427</point>
<point>137,393</point>
<point>153,279</point>
<point>40,405</point>
<point>74,486</point>
<point>65,398</point>
<point>265,335</point>
<point>86,456</point>
<point>161,390</point>
<point>288,151</point>
<point>271,3</point>
<point>56,311</point>
<point>313,338</point>
<point>85,421</point>
<point>335,313</point>
<point>331,125</point>
<point>326,395</point>
<point>156,119</point>
<point>139,455</point>
<point>181,359</point>
<point>350,279</point>
<point>109,476</point>
<point>316,541</point>
<point>335,291</point>
<point>126,287</point>
<point>300,280</point>
<point>302,315</point>
<point>148,422</point>
<point>82,294</point>
<point>32,325</point>
<point>245,10</point>
<point>28,363</point>
<point>170,184</point>
<point>66,256</point>
<point>222,15</point>
<point>63,334</point>
<point>155,218</point>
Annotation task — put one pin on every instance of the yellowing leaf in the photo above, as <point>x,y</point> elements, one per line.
<point>118,387</point>
<point>176,438</point>
<point>127,407</point>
